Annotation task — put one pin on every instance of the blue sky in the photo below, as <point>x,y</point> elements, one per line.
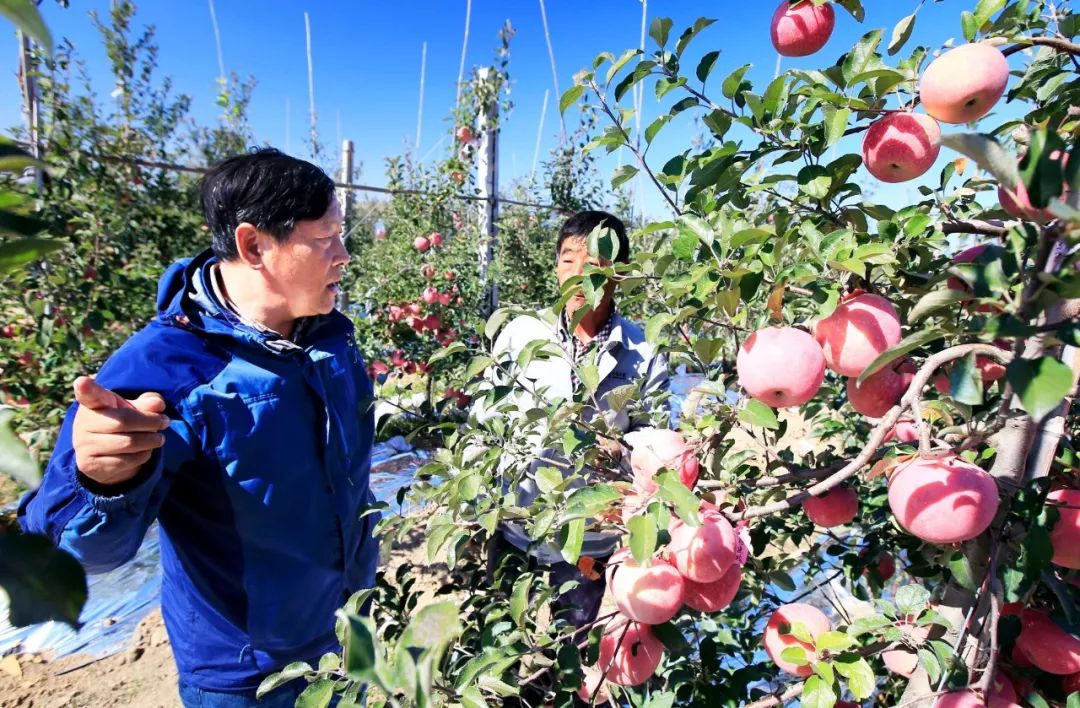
<point>367,63</point>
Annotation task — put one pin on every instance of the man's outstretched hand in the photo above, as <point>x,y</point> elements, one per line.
<point>113,437</point>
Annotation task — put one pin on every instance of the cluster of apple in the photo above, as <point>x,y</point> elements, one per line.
<point>945,500</point>
<point>700,567</point>
<point>960,86</point>
<point>423,243</point>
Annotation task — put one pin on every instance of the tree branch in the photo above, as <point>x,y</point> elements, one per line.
<point>877,437</point>
<point>637,153</point>
<point>1061,45</point>
<point>778,700</point>
<point>975,226</point>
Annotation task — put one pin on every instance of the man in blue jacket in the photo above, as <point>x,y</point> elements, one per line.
<point>241,419</point>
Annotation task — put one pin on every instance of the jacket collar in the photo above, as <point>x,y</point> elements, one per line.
<point>186,297</point>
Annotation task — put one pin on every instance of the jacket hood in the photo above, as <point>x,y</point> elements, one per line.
<point>185,297</point>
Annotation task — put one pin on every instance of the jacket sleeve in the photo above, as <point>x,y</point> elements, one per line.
<point>102,527</point>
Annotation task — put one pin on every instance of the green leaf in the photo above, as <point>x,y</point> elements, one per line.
<point>907,344</point>
<point>655,324</point>
<point>477,365</point>
<point>455,348</point>
<point>642,536</point>
<point>912,599</point>
<point>965,382</point>
<point>854,7</point>
<point>14,159</point>
<point>624,174</point>
<point>42,582</point>
<point>862,55</point>
<point>930,664</point>
<point>590,501</point>
<point>433,626</point>
<point>317,695</point>
<point>969,25</point>
<point>963,573</point>
<point>548,479</point>
<point>901,33</point>
<point>815,181</point>
<point>570,97</point>
<point>758,414</point>
<point>836,120</point>
<point>25,15</point>
<point>590,377</point>
<point>519,599</point>
<point>989,155</point>
<point>471,697</point>
<point>987,9</point>
<point>705,66</point>
<point>575,536</point>
<point>859,675</point>
<point>833,641</point>
<point>659,30</point>
<point>358,651</point>
<point>496,321</point>
<point>19,252</point>
<point>684,40</point>
<point>864,625</point>
<point>817,694</point>
<point>293,671</point>
<point>651,132</point>
<point>15,460</point>
<point>1041,384</point>
<point>621,62</point>
<point>733,81</point>
<point>673,491</point>
<point>795,655</point>
<point>936,300</point>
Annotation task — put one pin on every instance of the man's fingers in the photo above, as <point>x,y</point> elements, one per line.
<point>121,420</point>
<point>116,444</point>
<point>113,469</point>
<point>150,402</point>
<point>91,394</point>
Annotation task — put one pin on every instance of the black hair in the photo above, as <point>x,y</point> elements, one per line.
<point>265,188</point>
<point>581,224</point>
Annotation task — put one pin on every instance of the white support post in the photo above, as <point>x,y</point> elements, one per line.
<point>488,179</point>
<point>345,199</point>
<point>31,101</point>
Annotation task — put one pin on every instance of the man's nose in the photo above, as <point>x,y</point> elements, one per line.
<point>341,257</point>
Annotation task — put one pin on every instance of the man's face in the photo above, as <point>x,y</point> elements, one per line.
<point>573,256</point>
<point>306,268</point>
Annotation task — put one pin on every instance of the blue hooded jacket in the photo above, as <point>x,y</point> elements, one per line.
<point>259,488</point>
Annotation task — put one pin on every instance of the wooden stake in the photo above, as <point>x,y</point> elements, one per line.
<point>311,86</point>
<point>539,135</point>
<point>488,179</point>
<point>420,108</point>
<point>554,73</point>
<point>217,43</point>
<point>464,50</point>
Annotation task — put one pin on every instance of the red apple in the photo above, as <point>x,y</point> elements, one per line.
<point>464,134</point>
<point>421,243</point>
<point>780,366</point>
<point>801,29</point>
<point>436,240</point>
<point>657,448</point>
<point>963,84</point>
<point>946,500</point>
<point>834,508</point>
<point>629,653</point>
<point>705,552</point>
<point>862,327</point>
<point>901,146</point>
<point>714,596</point>
<point>1046,645</point>
<point>430,296</point>
<point>778,635</point>
<point>651,593</point>
<point>1065,536</point>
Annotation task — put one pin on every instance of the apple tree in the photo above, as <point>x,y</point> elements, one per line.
<point>871,493</point>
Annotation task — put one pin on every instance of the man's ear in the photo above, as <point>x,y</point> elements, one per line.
<point>249,245</point>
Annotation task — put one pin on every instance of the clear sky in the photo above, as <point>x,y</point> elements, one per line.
<point>367,58</point>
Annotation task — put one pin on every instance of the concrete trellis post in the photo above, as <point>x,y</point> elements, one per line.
<point>487,175</point>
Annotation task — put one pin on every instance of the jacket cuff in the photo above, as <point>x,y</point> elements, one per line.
<point>130,495</point>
